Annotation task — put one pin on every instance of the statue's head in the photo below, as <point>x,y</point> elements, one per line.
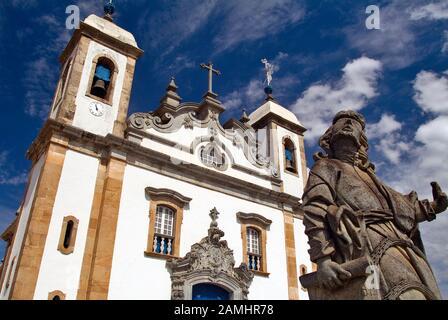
<point>348,129</point>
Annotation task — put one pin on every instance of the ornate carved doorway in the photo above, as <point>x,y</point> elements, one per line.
<point>208,270</point>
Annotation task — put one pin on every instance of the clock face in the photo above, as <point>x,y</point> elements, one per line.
<point>96,109</point>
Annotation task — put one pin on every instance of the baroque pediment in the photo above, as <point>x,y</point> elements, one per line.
<point>212,260</point>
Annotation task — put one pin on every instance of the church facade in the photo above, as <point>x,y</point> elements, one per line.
<point>167,204</point>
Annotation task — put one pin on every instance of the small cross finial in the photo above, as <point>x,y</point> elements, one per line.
<point>172,85</point>
<point>245,118</point>
<point>211,71</point>
<point>214,214</point>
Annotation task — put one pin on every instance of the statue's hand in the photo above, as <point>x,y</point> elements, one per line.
<point>440,202</point>
<point>331,275</point>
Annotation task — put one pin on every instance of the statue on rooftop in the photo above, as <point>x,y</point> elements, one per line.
<point>363,235</point>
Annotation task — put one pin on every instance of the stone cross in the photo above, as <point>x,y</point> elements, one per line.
<point>214,215</point>
<point>211,71</point>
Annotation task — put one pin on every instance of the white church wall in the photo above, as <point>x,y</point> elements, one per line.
<point>22,224</point>
<point>83,118</point>
<point>74,198</point>
<point>302,256</point>
<point>135,276</point>
<point>185,138</point>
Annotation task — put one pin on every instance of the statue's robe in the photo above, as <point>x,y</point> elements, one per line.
<point>350,213</point>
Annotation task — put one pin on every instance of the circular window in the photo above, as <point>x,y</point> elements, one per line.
<point>212,157</point>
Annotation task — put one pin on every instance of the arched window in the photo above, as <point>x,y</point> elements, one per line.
<point>56,295</point>
<point>254,231</point>
<point>68,235</point>
<point>164,230</point>
<point>166,212</point>
<point>253,249</point>
<point>102,79</point>
<point>290,156</point>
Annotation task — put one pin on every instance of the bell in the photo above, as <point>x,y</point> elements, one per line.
<point>289,165</point>
<point>99,88</point>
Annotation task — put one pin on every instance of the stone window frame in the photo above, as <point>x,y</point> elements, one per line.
<point>71,247</point>
<point>174,201</point>
<point>113,74</point>
<point>53,294</point>
<point>294,153</point>
<point>303,270</point>
<point>260,224</point>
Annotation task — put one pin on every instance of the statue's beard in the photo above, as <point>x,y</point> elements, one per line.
<point>342,135</point>
<point>345,146</point>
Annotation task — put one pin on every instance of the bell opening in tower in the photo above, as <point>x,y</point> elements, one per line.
<point>102,79</point>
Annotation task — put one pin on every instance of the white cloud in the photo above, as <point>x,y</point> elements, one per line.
<point>39,82</point>
<point>389,141</point>
<point>176,23</point>
<point>237,21</point>
<point>7,176</point>
<point>431,92</point>
<point>180,63</point>
<point>25,4</point>
<point>432,11</point>
<point>425,161</point>
<point>395,43</point>
<point>320,102</point>
<point>247,21</point>
<point>445,44</point>
<point>252,95</point>
<point>245,97</point>
<point>386,125</point>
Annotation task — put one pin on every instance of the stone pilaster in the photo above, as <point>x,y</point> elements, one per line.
<point>303,159</point>
<point>291,263</point>
<point>66,112</point>
<point>120,123</point>
<point>30,257</point>
<point>97,263</point>
<point>91,233</point>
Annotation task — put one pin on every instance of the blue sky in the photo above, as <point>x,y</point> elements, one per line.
<point>326,60</point>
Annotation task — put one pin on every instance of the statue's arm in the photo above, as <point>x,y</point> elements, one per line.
<point>426,210</point>
<point>316,201</point>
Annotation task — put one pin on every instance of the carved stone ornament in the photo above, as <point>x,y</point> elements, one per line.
<point>186,115</point>
<point>209,261</point>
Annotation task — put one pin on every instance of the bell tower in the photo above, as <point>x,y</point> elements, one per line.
<point>282,135</point>
<point>97,70</point>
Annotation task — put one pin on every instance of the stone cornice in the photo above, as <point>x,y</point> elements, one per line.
<point>154,192</point>
<point>9,232</point>
<point>105,39</point>
<point>248,217</point>
<point>134,154</point>
<point>279,121</point>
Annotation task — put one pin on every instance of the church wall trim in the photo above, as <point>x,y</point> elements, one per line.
<point>145,158</point>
